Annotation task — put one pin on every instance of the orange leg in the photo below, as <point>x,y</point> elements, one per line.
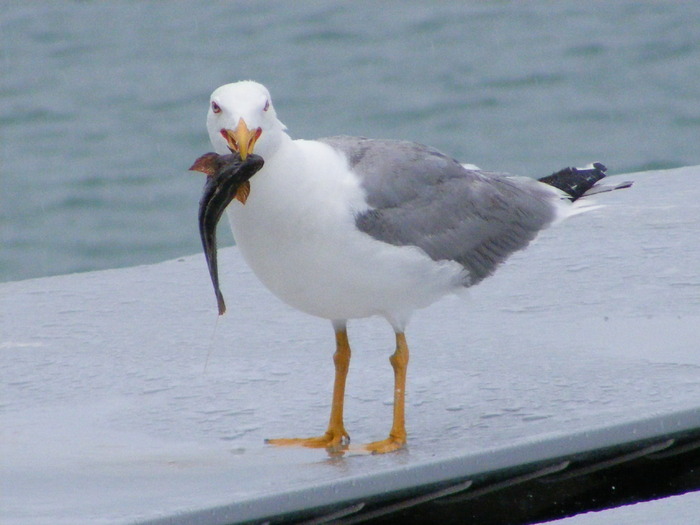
<point>397,435</point>
<point>336,436</point>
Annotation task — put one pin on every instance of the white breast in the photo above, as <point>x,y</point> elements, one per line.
<point>297,232</point>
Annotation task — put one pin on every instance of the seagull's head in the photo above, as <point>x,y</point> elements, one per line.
<point>241,119</point>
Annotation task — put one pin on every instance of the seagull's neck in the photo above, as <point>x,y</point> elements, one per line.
<point>273,143</point>
<point>302,174</point>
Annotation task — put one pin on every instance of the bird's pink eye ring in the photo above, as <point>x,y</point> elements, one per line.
<point>215,107</point>
<point>267,105</point>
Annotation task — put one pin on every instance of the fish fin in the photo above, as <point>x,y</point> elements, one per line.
<point>243,192</point>
<point>206,164</point>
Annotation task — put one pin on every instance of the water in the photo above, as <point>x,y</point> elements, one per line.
<point>102,105</point>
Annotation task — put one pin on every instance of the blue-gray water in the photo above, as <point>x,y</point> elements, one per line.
<point>102,104</point>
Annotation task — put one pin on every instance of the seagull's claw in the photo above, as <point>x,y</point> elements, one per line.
<point>390,444</point>
<point>335,440</point>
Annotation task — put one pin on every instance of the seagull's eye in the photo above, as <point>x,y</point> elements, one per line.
<point>215,107</point>
<point>267,105</point>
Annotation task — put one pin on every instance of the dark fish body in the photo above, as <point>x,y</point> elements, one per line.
<point>227,179</point>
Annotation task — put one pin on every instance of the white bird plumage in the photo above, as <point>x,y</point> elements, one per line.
<point>297,229</point>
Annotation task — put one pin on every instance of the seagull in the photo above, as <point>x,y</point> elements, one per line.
<point>349,227</point>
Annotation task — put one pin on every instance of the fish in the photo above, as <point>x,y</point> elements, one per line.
<point>228,178</point>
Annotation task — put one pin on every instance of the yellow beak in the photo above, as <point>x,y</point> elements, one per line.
<point>241,139</point>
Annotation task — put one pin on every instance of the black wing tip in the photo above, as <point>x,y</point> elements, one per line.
<point>575,182</point>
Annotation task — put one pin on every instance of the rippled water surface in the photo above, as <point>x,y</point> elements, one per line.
<point>102,105</point>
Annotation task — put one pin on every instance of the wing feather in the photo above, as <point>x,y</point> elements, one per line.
<point>420,197</point>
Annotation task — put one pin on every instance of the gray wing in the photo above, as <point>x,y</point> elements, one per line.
<point>420,197</point>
